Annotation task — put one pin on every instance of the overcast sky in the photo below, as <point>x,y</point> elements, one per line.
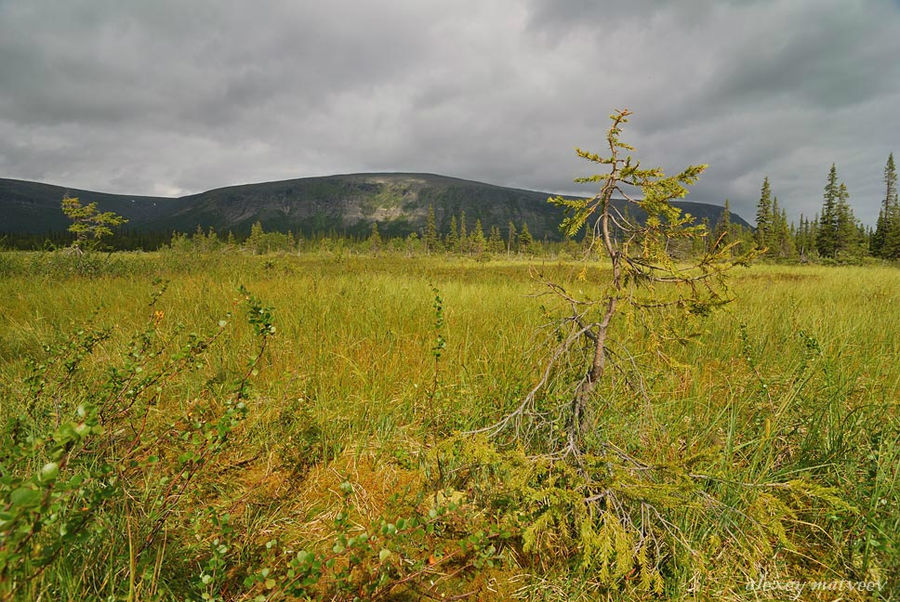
<point>171,97</point>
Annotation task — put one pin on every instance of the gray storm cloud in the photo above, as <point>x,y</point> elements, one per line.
<point>173,97</point>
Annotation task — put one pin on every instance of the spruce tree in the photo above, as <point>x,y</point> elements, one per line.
<point>876,245</point>
<point>477,241</point>
<point>864,236</point>
<point>826,238</point>
<point>453,236</point>
<point>764,215</point>
<point>846,230</point>
<point>891,247</point>
<point>257,238</point>
<point>775,232</point>
<point>786,236</point>
<point>525,238</point>
<point>495,240</point>
<point>800,237</point>
<point>431,238</point>
<point>780,239</point>
<point>630,290</point>
<point>888,223</point>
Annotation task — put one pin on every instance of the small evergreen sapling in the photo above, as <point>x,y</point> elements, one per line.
<point>647,285</point>
<point>89,225</point>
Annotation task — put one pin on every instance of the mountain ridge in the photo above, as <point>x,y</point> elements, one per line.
<point>341,203</point>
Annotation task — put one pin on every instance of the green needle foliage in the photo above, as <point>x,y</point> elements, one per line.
<point>649,288</point>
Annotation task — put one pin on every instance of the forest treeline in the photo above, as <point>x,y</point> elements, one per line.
<point>833,233</point>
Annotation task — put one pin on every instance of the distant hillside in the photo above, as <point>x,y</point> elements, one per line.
<point>34,208</point>
<point>345,204</point>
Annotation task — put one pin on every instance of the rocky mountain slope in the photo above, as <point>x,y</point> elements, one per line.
<point>346,204</point>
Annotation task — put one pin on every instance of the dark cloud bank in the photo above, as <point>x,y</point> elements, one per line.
<point>171,97</point>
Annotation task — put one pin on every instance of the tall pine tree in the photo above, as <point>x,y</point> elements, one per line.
<point>453,236</point>
<point>495,240</point>
<point>764,216</point>
<point>477,241</point>
<point>789,234</point>
<point>886,239</point>
<point>430,237</point>
<point>780,240</point>
<point>525,239</point>
<point>801,238</point>
<point>846,229</point>
<point>827,236</point>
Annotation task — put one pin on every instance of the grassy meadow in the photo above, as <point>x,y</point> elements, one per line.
<point>340,467</point>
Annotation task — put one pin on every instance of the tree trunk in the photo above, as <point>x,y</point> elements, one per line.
<point>581,414</point>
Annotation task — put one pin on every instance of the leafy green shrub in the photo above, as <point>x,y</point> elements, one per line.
<point>89,462</point>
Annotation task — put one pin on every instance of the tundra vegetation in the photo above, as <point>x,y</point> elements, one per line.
<point>618,419</point>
